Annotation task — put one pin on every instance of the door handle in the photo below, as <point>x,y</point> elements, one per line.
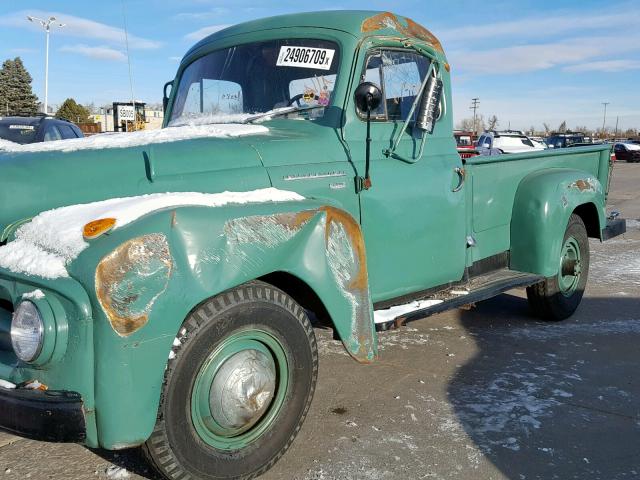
<point>462,175</point>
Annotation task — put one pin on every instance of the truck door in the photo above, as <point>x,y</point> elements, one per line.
<point>413,216</point>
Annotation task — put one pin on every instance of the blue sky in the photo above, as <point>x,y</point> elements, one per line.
<point>528,61</point>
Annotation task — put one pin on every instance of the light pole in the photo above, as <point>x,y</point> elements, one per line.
<point>604,118</point>
<point>46,24</point>
<point>475,104</point>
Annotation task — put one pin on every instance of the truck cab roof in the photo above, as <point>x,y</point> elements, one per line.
<point>358,23</point>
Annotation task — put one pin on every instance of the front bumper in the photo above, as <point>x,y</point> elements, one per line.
<point>615,227</point>
<point>52,416</point>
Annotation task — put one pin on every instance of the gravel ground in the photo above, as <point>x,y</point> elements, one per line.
<point>488,393</point>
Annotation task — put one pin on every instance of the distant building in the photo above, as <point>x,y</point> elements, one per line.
<point>154,117</point>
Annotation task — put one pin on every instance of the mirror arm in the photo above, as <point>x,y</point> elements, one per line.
<point>391,152</point>
<point>366,184</point>
<point>413,159</point>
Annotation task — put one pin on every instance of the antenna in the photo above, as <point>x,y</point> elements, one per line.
<point>126,42</point>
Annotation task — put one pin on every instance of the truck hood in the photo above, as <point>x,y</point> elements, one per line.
<point>39,177</point>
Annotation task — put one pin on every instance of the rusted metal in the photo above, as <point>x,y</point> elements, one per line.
<point>387,20</point>
<point>582,185</point>
<point>352,276</point>
<point>346,258</point>
<point>131,278</point>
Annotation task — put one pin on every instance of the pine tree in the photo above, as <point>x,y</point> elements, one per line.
<point>16,95</point>
<point>72,111</point>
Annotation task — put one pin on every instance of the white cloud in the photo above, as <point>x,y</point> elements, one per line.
<point>204,15</point>
<point>204,32</point>
<point>605,66</point>
<point>99,53</point>
<point>543,27</point>
<point>175,59</point>
<point>79,27</point>
<point>529,58</point>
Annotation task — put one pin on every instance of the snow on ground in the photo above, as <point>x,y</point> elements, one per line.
<point>52,239</point>
<point>136,139</point>
<point>382,316</point>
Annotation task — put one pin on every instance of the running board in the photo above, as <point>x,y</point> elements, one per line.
<point>475,290</point>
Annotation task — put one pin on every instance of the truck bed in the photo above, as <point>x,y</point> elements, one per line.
<point>494,180</point>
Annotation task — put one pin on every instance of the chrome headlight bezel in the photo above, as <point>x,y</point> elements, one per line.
<point>27,311</point>
<point>55,329</point>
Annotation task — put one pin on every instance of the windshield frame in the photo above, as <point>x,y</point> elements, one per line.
<point>345,43</point>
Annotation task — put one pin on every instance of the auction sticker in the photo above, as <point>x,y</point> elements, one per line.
<point>305,57</point>
<point>21,127</point>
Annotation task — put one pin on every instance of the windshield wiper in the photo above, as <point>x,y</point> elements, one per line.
<point>281,111</point>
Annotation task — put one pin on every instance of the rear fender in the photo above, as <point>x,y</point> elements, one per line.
<point>543,204</point>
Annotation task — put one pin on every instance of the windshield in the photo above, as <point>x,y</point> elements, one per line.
<point>232,84</point>
<point>18,132</point>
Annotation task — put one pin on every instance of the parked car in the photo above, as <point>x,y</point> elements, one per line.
<point>564,140</point>
<point>24,130</point>
<point>627,151</point>
<point>509,141</point>
<point>464,140</point>
<point>179,321</point>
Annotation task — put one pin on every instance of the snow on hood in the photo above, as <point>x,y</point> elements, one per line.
<point>136,139</point>
<point>51,240</point>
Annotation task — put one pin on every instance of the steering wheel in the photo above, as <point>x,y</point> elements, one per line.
<point>297,98</point>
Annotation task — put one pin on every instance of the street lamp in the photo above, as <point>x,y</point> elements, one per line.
<point>46,24</point>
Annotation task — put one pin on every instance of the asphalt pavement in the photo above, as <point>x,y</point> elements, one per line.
<point>486,393</point>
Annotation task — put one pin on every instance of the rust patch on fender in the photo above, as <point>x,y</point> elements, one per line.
<point>268,230</point>
<point>131,278</point>
<point>386,20</point>
<point>345,257</point>
<point>582,185</point>
<point>347,260</point>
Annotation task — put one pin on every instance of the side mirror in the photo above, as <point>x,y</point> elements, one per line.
<point>165,97</point>
<point>368,97</point>
<point>429,109</point>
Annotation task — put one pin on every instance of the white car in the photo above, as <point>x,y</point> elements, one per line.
<point>492,143</point>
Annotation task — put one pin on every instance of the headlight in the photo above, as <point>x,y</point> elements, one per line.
<point>27,331</point>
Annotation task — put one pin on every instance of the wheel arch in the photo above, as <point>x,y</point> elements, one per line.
<point>543,203</point>
<point>588,212</point>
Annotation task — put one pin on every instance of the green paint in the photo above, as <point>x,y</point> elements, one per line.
<point>210,431</point>
<point>570,257</point>
<point>414,224</point>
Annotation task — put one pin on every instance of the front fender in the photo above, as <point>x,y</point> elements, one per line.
<point>189,255</point>
<point>543,204</point>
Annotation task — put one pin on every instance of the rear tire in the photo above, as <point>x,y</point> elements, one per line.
<point>557,298</point>
<point>237,388</point>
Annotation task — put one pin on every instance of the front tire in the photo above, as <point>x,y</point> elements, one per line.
<point>238,387</point>
<point>557,298</point>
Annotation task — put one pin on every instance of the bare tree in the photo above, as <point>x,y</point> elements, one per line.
<point>562,128</point>
<point>547,128</point>
<point>492,122</point>
<point>467,124</point>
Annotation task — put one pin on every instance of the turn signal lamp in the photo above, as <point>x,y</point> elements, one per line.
<point>97,227</point>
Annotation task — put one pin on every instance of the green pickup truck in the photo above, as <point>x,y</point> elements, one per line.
<point>156,288</point>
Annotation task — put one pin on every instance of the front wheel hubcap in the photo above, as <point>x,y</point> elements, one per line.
<point>243,389</point>
<point>240,389</point>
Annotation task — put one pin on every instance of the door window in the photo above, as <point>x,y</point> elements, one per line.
<point>67,131</point>
<point>52,134</point>
<point>399,74</point>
